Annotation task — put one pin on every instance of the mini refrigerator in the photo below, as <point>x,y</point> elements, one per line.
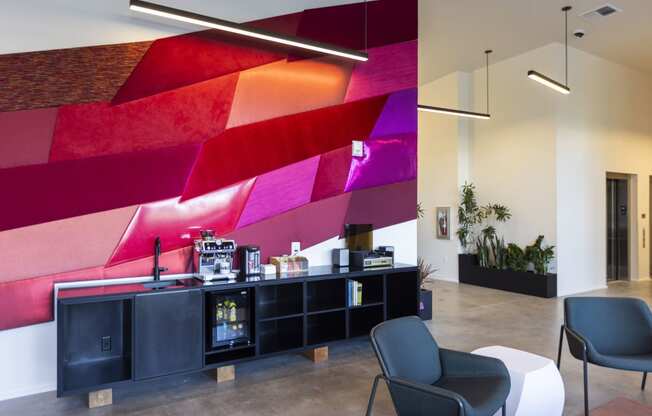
<point>231,320</point>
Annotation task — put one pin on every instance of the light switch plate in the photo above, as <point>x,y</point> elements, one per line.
<point>358,148</point>
<point>296,247</point>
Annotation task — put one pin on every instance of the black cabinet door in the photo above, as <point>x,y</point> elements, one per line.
<point>167,333</point>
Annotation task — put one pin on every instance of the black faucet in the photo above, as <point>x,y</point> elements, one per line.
<point>157,284</point>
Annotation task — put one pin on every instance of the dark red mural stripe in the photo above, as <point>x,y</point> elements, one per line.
<point>47,192</point>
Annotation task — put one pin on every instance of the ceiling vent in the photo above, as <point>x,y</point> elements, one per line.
<point>600,12</point>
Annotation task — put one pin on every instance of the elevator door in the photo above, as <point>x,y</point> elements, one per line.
<point>617,229</point>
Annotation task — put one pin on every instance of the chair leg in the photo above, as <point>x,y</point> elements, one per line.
<point>561,344</point>
<point>644,380</point>
<point>505,409</point>
<point>586,387</point>
<point>372,397</point>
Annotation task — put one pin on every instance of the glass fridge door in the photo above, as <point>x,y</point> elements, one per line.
<point>231,319</point>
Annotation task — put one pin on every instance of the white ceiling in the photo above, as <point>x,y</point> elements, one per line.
<point>454,33</point>
<point>33,25</point>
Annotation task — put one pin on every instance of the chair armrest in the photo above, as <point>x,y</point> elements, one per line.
<point>419,399</point>
<point>464,364</point>
<point>578,345</point>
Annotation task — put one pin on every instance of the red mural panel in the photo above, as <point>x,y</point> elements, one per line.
<point>178,223</point>
<point>332,173</point>
<point>183,60</point>
<point>187,115</point>
<point>26,137</point>
<point>41,193</point>
<point>269,145</point>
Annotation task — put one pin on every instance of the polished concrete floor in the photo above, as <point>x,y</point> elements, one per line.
<point>466,318</point>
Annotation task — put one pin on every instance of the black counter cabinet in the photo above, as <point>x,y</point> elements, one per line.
<point>106,340</point>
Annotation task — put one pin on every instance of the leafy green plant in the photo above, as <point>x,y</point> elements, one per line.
<point>470,214</point>
<point>540,256</point>
<point>482,251</point>
<point>425,271</point>
<point>515,258</point>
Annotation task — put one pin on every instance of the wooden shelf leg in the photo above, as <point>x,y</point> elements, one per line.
<point>224,374</point>
<point>317,355</point>
<point>100,398</point>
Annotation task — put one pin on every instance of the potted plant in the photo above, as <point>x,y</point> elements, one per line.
<point>425,295</point>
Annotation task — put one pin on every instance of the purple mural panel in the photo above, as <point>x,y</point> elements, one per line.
<point>386,160</point>
<point>399,114</point>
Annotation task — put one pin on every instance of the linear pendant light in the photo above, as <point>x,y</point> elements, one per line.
<point>462,113</point>
<point>549,82</point>
<point>240,29</point>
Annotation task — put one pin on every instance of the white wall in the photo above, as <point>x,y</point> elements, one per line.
<point>546,156</point>
<point>439,165</point>
<point>604,126</point>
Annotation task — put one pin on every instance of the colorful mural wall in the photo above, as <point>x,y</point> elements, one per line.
<point>104,148</point>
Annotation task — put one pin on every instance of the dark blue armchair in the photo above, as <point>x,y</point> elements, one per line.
<point>425,380</point>
<point>609,332</point>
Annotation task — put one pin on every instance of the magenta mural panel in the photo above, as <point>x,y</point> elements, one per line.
<point>26,136</point>
<point>390,68</point>
<point>386,160</point>
<point>280,191</point>
<point>333,171</point>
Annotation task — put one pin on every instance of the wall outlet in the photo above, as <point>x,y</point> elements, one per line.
<point>106,343</point>
<point>358,148</point>
<point>295,248</point>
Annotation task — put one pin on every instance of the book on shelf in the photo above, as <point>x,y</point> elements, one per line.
<point>354,293</point>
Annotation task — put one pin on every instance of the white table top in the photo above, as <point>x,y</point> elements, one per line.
<point>515,360</point>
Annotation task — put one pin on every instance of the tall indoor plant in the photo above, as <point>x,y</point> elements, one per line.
<point>425,270</point>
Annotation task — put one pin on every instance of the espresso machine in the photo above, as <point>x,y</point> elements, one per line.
<point>213,257</point>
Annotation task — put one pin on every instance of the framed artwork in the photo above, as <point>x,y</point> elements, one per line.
<point>442,223</point>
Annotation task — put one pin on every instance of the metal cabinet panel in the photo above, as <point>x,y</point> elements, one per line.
<point>167,333</point>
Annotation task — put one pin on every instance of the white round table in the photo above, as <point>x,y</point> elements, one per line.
<point>537,387</point>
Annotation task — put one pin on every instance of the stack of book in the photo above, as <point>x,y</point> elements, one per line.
<point>354,293</point>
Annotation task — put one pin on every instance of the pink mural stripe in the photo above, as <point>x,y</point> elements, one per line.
<point>176,261</point>
<point>384,205</point>
<point>293,182</point>
<point>309,224</point>
<point>178,222</point>
<point>399,115</point>
<point>390,68</point>
<point>332,174</point>
<point>41,193</point>
<point>26,136</point>
<point>29,301</point>
<point>281,88</point>
<point>64,245</point>
<point>386,160</point>
<point>182,116</point>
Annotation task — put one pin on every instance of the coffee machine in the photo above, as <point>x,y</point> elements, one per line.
<point>250,260</point>
<point>213,257</point>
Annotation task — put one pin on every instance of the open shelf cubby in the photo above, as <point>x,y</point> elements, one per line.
<point>326,327</point>
<point>97,347</point>
<point>280,335</point>
<point>402,295</point>
<point>280,300</point>
<point>361,320</point>
<point>324,295</point>
<point>372,289</point>
<point>238,353</point>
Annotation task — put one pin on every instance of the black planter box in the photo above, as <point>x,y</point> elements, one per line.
<point>425,304</point>
<point>526,283</point>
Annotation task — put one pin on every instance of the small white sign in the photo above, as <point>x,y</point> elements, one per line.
<point>358,148</point>
<point>296,248</point>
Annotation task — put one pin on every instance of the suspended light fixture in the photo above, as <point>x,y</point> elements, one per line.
<point>549,82</point>
<point>462,113</point>
<point>240,29</point>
